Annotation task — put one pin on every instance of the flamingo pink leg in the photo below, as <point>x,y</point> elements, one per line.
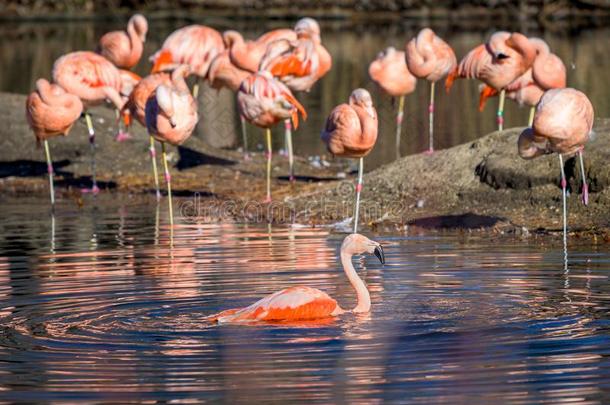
<point>358,190</point>
<point>585,187</point>
<point>244,137</point>
<point>153,158</point>
<point>269,156</point>
<point>500,117</point>
<point>564,185</point>
<point>94,189</point>
<point>399,115</point>
<point>288,138</point>
<point>50,171</point>
<point>431,117</point>
<point>168,180</point>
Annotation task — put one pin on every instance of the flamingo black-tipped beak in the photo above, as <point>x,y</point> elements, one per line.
<point>379,253</point>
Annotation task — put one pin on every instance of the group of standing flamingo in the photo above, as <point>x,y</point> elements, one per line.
<point>508,64</point>
<point>264,73</point>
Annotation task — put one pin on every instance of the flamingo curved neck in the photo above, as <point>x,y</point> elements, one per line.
<point>135,40</point>
<point>364,298</point>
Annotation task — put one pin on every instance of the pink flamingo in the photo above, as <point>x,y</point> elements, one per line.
<point>193,45</point>
<point>247,55</point>
<point>497,63</point>
<point>562,124</point>
<point>351,131</point>
<point>299,64</point>
<point>124,48</point>
<point>171,116</point>
<point>51,111</point>
<point>429,57</point>
<point>305,303</point>
<point>390,72</point>
<point>223,73</point>
<point>136,104</point>
<point>547,72</point>
<point>264,101</point>
<point>93,79</point>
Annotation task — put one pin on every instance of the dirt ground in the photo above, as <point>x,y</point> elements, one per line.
<point>481,185</point>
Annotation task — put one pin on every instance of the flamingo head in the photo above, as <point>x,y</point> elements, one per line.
<point>139,23</point>
<point>165,99</point>
<point>389,51</point>
<point>542,48</point>
<point>231,37</point>
<point>307,28</point>
<point>356,244</point>
<point>498,45</point>
<point>362,98</point>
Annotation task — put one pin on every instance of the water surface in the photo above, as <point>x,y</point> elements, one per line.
<point>96,306</point>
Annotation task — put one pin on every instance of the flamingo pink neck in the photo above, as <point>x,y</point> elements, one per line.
<point>364,298</point>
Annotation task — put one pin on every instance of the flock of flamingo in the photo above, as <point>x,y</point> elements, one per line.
<point>264,72</point>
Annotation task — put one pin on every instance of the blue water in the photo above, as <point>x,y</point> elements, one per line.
<point>96,306</point>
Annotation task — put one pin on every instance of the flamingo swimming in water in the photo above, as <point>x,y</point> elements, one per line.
<point>264,101</point>
<point>429,57</point>
<point>547,72</point>
<point>299,64</point>
<point>171,116</point>
<point>351,131</point>
<point>93,79</point>
<point>305,303</point>
<point>562,124</point>
<point>247,55</point>
<point>193,45</point>
<point>389,70</point>
<point>51,112</point>
<point>124,48</point>
<point>497,63</point>
<point>136,104</point>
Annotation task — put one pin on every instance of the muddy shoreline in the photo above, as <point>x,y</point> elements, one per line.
<point>480,185</point>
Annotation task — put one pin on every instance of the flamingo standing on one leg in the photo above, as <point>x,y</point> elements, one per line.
<point>223,73</point>
<point>562,124</point>
<point>193,45</point>
<point>264,101</point>
<point>93,79</point>
<point>305,303</point>
<point>547,72</point>
<point>351,131</point>
<point>299,64</point>
<point>429,57</point>
<point>246,56</point>
<point>124,48</point>
<point>51,111</point>
<point>140,95</point>
<point>497,63</point>
<point>390,72</point>
<point>171,116</point>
